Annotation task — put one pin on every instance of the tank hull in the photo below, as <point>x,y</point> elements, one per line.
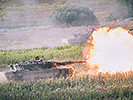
<point>40,74</point>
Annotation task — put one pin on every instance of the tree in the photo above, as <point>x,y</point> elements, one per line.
<point>73,16</point>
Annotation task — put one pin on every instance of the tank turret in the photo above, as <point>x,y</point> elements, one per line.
<point>41,64</point>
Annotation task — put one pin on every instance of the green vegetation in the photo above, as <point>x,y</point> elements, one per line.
<point>116,86</point>
<point>69,52</point>
<point>73,16</point>
<point>101,87</point>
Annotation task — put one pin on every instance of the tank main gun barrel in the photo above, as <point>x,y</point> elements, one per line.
<point>69,63</point>
<point>53,64</point>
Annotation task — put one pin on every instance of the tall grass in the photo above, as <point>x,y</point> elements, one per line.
<point>61,53</point>
<point>101,87</point>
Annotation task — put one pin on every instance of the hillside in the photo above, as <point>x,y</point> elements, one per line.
<point>28,25</point>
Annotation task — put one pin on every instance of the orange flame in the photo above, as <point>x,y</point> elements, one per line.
<point>111,50</point>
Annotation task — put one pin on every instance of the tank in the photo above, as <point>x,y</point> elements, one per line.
<point>79,37</point>
<point>39,69</point>
<point>41,64</point>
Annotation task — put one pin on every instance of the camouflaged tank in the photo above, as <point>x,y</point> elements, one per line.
<point>41,64</point>
<point>79,37</point>
<point>40,69</point>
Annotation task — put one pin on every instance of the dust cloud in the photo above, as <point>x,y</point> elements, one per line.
<point>20,15</point>
<point>2,77</point>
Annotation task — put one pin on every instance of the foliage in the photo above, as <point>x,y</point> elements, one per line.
<point>100,87</point>
<point>73,16</point>
<point>68,52</point>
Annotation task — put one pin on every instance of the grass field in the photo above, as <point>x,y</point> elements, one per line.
<point>57,53</point>
<point>101,87</point>
<point>105,86</point>
<point>33,35</point>
<point>61,53</point>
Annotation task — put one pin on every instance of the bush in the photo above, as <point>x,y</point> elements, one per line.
<point>73,16</point>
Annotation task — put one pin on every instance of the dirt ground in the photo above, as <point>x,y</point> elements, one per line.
<point>35,37</point>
